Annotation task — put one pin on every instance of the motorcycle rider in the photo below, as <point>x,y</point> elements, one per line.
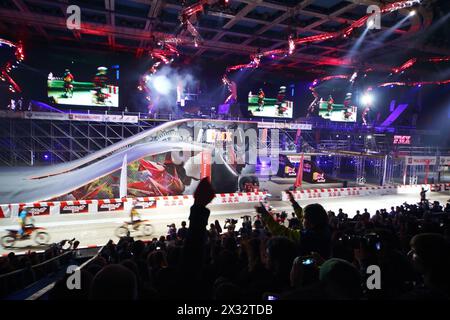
<point>24,217</point>
<point>135,222</point>
<point>100,84</point>
<point>68,86</point>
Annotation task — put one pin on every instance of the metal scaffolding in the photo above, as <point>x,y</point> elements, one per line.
<point>31,142</point>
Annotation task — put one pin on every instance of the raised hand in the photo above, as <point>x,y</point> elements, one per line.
<point>261,209</point>
<point>290,195</point>
<point>204,193</point>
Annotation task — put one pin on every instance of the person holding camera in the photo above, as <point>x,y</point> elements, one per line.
<point>246,229</point>
<point>172,233</point>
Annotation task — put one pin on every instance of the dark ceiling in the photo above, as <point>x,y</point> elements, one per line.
<point>235,31</point>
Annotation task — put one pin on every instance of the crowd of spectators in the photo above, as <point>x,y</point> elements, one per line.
<point>19,271</point>
<point>314,254</point>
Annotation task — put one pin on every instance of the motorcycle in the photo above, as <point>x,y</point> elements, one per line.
<point>127,227</point>
<point>38,234</point>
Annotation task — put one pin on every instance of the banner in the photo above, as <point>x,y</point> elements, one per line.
<point>46,115</point>
<point>103,118</point>
<point>205,170</point>
<point>282,125</point>
<point>420,160</point>
<point>71,208</point>
<point>61,116</point>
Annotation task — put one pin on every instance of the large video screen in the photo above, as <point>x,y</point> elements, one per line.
<point>279,105</point>
<point>84,86</point>
<point>337,112</point>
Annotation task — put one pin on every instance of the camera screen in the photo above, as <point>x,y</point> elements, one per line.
<point>308,261</point>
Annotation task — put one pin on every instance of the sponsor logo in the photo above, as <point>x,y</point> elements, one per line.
<point>74,208</point>
<point>39,211</point>
<point>110,206</point>
<point>146,205</point>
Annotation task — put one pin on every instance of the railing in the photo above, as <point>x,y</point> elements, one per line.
<point>38,295</point>
<point>14,281</point>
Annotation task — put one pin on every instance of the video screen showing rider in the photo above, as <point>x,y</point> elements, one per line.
<point>84,86</point>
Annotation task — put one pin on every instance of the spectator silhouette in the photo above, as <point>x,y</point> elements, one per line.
<point>114,282</point>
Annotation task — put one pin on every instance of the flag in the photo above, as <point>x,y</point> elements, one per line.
<point>123,178</point>
<point>298,180</point>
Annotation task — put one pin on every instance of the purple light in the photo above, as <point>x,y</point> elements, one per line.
<point>392,85</point>
<point>272,56</point>
<point>46,156</point>
<point>419,85</point>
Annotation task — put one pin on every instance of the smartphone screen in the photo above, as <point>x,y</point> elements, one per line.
<point>271,298</point>
<point>308,261</point>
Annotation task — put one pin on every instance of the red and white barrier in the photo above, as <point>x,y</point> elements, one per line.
<point>362,191</point>
<point>112,205</point>
<point>147,203</point>
<point>239,197</point>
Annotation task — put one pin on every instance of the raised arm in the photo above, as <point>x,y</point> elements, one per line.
<point>275,228</point>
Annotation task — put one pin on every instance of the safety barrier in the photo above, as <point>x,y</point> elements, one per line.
<point>362,191</point>
<point>47,208</point>
<point>144,203</point>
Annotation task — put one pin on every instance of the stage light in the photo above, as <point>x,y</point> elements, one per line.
<point>412,13</point>
<point>370,24</point>
<point>162,84</point>
<point>367,99</point>
<point>369,137</point>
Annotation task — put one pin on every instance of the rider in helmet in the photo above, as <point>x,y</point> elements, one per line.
<point>135,214</point>
<point>24,215</point>
<point>100,83</point>
<point>68,86</point>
